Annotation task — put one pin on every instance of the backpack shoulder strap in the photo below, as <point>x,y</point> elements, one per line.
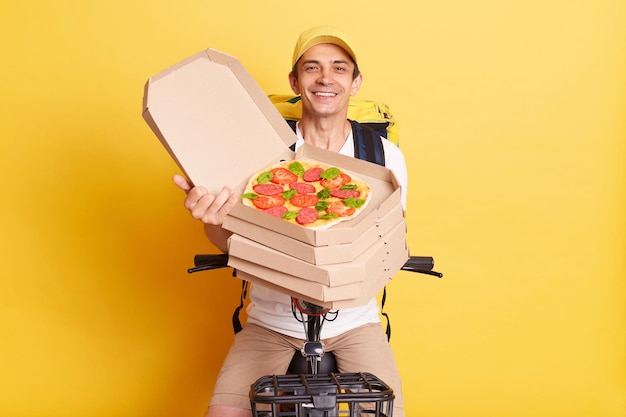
<point>237,327</point>
<point>292,124</point>
<point>367,144</point>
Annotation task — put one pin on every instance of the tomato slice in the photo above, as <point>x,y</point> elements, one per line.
<point>266,201</point>
<point>336,182</point>
<point>283,176</point>
<point>304,200</point>
<point>340,209</point>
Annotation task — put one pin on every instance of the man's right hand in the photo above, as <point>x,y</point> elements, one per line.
<point>209,208</point>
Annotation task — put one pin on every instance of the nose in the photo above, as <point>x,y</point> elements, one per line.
<point>325,76</point>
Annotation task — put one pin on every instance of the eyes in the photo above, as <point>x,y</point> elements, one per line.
<point>338,68</point>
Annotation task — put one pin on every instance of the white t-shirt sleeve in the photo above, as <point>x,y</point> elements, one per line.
<point>394,160</point>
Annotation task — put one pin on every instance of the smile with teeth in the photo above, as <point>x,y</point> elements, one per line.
<point>325,94</point>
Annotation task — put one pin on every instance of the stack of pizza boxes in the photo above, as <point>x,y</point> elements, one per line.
<point>221,129</point>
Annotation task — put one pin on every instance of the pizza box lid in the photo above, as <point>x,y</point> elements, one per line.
<point>318,255</point>
<point>332,275</point>
<point>214,120</point>
<point>221,128</point>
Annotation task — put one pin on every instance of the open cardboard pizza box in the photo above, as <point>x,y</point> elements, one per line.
<point>220,128</point>
<point>385,196</point>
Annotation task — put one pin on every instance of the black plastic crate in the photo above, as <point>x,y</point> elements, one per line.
<point>325,395</point>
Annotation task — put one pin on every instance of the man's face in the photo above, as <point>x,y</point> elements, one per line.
<point>325,80</point>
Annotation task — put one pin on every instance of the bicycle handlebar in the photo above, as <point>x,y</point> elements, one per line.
<point>208,262</point>
<point>419,264</point>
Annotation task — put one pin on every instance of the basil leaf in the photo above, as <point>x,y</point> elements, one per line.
<point>353,202</point>
<point>328,216</point>
<point>288,194</point>
<point>265,177</point>
<point>290,215</point>
<point>330,173</point>
<point>297,168</point>
<point>349,187</point>
<point>324,193</point>
<point>251,196</point>
<point>321,206</point>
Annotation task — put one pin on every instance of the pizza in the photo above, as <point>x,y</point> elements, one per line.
<point>307,193</point>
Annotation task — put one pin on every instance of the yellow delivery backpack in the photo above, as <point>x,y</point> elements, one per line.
<point>373,114</point>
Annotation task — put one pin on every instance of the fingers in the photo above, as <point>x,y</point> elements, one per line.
<point>198,198</point>
<point>210,208</point>
<point>204,206</point>
<point>230,202</point>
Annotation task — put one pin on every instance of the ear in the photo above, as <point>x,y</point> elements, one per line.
<point>293,82</point>
<point>356,84</point>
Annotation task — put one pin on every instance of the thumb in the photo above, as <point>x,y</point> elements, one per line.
<point>181,182</point>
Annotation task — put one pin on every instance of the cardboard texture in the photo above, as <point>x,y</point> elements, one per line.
<point>370,289</point>
<point>318,255</point>
<point>371,279</point>
<point>330,275</point>
<point>316,292</point>
<point>214,120</point>
<point>335,305</point>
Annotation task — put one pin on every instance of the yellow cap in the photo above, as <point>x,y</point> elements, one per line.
<point>322,34</point>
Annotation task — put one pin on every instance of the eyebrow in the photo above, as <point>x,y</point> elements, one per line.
<point>315,61</point>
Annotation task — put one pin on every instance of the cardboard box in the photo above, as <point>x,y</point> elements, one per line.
<point>372,279</point>
<point>291,285</point>
<point>318,255</point>
<point>220,128</point>
<point>369,292</point>
<point>214,120</point>
<point>369,262</point>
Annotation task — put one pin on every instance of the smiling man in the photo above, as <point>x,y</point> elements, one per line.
<point>325,74</point>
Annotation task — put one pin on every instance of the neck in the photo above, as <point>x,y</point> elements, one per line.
<point>325,133</point>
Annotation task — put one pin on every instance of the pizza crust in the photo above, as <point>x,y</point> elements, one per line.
<point>324,187</point>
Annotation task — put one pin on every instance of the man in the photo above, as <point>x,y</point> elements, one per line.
<point>325,74</point>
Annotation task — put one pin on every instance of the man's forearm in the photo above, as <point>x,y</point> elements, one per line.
<point>218,236</point>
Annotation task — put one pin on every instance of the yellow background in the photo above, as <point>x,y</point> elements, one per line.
<point>512,118</point>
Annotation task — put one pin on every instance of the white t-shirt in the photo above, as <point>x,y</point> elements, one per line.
<point>271,309</point>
